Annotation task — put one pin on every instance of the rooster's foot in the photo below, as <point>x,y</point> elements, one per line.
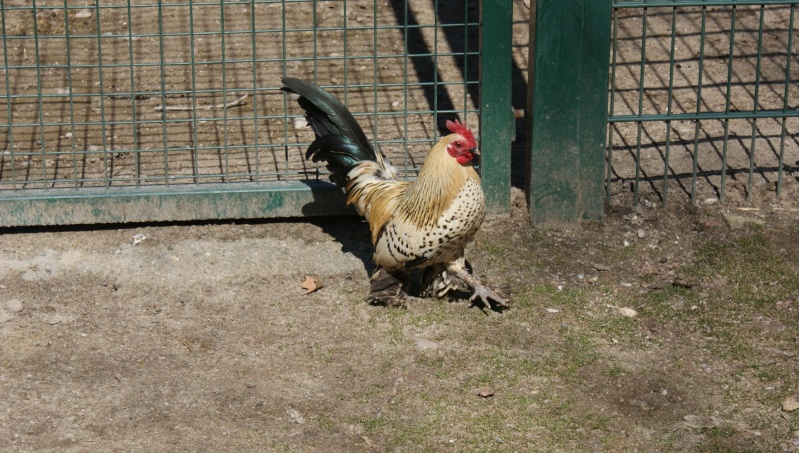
<point>386,290</point>
<point>486,296</point>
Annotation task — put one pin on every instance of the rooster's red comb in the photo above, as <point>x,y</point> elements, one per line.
<point>457,128</point>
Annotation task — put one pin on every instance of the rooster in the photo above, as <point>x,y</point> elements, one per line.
<point>418,227</point>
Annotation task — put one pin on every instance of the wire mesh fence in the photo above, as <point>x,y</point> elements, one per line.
<point>704,100</point>
<point>120,96</point>
<point>146,93</point>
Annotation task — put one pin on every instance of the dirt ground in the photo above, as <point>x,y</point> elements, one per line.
<point>669,330</point>
<point>660,329</point>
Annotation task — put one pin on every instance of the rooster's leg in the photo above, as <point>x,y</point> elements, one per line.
<point>434,281</point>
<point>387,290</point>
<point>459,270</point>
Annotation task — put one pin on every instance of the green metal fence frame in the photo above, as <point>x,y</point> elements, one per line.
<point>147,203</point>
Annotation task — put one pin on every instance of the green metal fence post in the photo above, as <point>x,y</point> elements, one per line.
<point>496,115</point>
<point>567,101</point>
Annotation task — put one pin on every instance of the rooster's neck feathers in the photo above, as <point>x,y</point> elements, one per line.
<point>439,182</point>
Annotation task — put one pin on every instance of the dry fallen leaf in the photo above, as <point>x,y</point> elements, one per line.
<point>485,392</point>
<point>311,284</point>
<point>790,404</point>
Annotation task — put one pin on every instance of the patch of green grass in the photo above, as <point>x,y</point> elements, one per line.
<point>370,423</point>
<point>326,423</point>
<point>771,372</point>
<point>613,371</point>
<point>618,328</point>
<point>723,440</point>
<point>660,302</point>
<point>427,318</point>
<point>573,357</point>
<point>495,250</point>
<point>580,349</point>
<point>565,417</point>
<point>434,362</point>
<point>755,275</point>
<point>618,252</point>
<point>549,370</point>
<point>739,280</point>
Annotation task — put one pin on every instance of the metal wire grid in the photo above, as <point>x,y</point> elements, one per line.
<point>703,98</point>
<point>124,93</point>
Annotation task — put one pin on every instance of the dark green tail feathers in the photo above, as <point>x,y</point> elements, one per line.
<point>340,141</point>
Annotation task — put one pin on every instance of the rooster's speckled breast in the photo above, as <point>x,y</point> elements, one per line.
<point>404,245</point>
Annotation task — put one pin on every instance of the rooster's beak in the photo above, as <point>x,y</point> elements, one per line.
<point>475,151</point>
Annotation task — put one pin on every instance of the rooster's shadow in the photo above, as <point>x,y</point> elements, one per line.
<point>327,211</point>
<point>352,233</point>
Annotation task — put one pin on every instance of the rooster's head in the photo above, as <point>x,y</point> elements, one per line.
<point>463,146</point>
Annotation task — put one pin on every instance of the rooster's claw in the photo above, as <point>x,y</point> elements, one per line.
<point>486,296</point>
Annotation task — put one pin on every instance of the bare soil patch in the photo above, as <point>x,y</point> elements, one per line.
<point>198,337</point>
